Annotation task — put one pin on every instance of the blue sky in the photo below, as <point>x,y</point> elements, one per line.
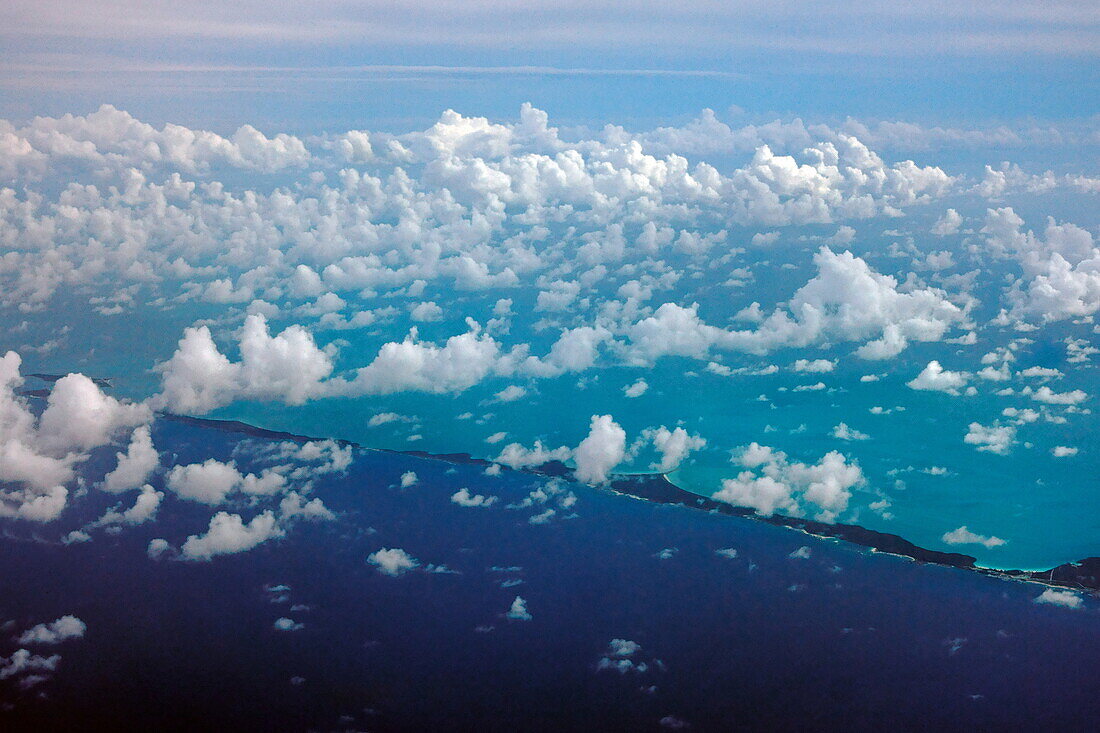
<point>310,66</point>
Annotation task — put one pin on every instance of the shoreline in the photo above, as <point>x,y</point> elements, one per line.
<point>1081,575</point>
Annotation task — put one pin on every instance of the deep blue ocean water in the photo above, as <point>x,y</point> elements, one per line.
<point>842,639</point>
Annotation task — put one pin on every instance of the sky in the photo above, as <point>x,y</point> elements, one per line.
<point>305,66</point>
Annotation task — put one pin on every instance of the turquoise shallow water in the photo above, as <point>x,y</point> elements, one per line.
<point>1046,509</point>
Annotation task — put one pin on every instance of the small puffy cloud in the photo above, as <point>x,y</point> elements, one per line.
<point>463,497</point>
<point>1063,451</point>
<point>34,667</point>
<point>287,624</point>
<point>65,628</point>
<point>143,510</point>
<point>384,418</point>
<point>228,534</point>
<point>293,505</point>
<point>600,452</point>
<point>816,366</point>
<point>937,379</point>
<point>674,446</point>
<point>426,312</point>
<point>517,456</point>
<point>158,548</point>
<point>1048,396</point>
<point>637,389</point>
<point>963,536</point>
<point>1063,598</point>
<point>408,479</point>
<point>802,553</point>
<point>843,432</point>
<point>518,610</point>
<point>511,393</point>
<point>993,438</point>
<point>135,465</point>
<point>947,224</point>
<point>212,481</point>
<point>393,562</point>
<point>619,657</point>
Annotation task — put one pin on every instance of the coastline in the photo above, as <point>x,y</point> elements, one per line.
<point>1081,575</point>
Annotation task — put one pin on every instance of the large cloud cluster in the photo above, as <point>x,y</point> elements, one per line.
<point>845,301</point>
<point>774,484</point>
<point>38,454</point>
<point>467,201</point>
<point>1061,267</point>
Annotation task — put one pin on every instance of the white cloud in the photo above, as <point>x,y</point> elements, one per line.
<point>1064,598</point>
<point>511,393</point>
<point>1063,451</point>
<point>674,446</point>
<point>135,465</point>
<point>426,312</point>
<point>600,452</point>
<point>637,389</point>
<point>288,367</point>
<point>288,624</point>
<point>514,455</point>
<point>228,534</point>
<point>815,366</point>
<point>38,456</point>
<point>393,562</point>
<point>1047,395</point>
<point>65,628</point>
<point>937,379</point>
<point>518,610</point>
<point>947,224</point>
<point>211,482</point>
<point>463,497</point>
<point>963,536</point>
<point>842,432</point>
<point>408,479</point>
<point>993,438</point>
<point>785,486</point>
<point>22,662</point>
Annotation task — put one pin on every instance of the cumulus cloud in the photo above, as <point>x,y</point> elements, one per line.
<point>1063,598</point>
<point>38,455</point>
<point>992,438</point>
<point>845,301</point>
<point>814,366</point>
<point>673,445</point>
<point>774,484</point>
<point>135,465</point>
<point>464,498</point>
<point>1061,266</point>
<point>393,562</point>
<point>601,451</point>
<point>198,378</point>
<point>842,432</point>
<point>212,482</point>
<point>518,610</point>
<point>963,536</point>
<point>229,534</point>
<point>65,628</point>
<point>937,379</point>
